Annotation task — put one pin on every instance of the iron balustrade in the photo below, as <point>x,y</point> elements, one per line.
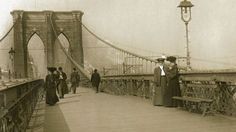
<point>19,101</point>
<point>220,86</point>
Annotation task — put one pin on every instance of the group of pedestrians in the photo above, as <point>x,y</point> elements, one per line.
<point>56,85</point>
<point>166,82</point>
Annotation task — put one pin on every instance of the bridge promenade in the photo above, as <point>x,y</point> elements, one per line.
<point>127,84</point>
<point>87,111</point>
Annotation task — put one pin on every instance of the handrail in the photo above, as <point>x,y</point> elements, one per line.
<point>20,105</point>
<point>217,75</point>
<point>16,83</point>
<point>233,71</point>
<point>17,101</point>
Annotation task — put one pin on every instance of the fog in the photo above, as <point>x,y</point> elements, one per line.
<point>148,25</point>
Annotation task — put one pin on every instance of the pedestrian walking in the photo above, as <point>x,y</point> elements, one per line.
<point>62,86</point>
<point>95,79</point>
<point>74,79</point>
<point>50,87</point>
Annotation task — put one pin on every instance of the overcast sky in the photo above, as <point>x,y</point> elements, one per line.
<point>153,25</point>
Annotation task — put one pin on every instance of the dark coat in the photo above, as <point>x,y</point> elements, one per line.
<point>173,84</point>
<point>62,82</point>
<point>50,86</point>
<point>75,78</point>
<point>95,79</point>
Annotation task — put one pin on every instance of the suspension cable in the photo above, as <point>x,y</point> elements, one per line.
<point>7,33</point>
<point>68,56</point>
<point>115,47</point>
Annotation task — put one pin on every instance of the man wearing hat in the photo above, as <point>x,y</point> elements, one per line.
<point>74,79</point>
<point>96,79</point>
<point>159,82</point>
<point>173,88</point>
<point>62,86</point>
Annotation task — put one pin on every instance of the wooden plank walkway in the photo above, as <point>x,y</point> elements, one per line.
<point>87,111</point>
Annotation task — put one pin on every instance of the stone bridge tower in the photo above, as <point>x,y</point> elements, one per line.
<point>27,23</point>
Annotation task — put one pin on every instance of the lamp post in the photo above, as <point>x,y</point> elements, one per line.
<point>186,16</point>
<point>11,54</point>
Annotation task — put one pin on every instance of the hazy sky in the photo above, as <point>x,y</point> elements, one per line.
<point>153,25</point>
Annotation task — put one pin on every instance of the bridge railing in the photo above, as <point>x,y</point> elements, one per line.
<point>220,86</point>
<point>17,104</point>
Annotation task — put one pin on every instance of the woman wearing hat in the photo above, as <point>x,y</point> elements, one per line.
<point>159,82</point>
<point>50,85</point>
<point>173,88</point>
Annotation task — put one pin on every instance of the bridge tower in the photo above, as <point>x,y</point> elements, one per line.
<point>48,25</point>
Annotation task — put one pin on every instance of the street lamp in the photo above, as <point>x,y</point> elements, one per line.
<point>11,53</point>
<point>185,7</point>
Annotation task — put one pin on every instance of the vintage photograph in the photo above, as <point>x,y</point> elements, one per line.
<point>117,66</point>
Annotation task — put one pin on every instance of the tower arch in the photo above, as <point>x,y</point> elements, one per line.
<point>43,23</point>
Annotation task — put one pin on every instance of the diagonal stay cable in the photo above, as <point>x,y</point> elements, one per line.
<point>86,74</point>
<point>115,47</point>
<point>7,33</point>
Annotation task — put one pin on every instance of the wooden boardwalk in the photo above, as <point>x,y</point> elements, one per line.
<point>87,111</point>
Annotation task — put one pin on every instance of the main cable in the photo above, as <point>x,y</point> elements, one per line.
<point>7,33</point>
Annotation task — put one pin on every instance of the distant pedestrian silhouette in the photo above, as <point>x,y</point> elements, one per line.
<point>74,79</point>
<point>95,79</point>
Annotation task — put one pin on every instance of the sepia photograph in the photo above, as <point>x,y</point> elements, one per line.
<point>117,66</point>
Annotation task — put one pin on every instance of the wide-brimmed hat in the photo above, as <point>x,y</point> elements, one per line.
<point>161,59</point>
<point>51,69</point>
<point>171,58</point>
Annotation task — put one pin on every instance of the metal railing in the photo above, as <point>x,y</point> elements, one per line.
<point>17,104</point>
<point>220,86</point>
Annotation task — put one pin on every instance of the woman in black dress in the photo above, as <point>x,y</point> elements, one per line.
<point>173,87</point>
<point>50,85</point>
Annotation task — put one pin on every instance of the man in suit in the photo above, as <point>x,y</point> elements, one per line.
<point>160,82</point>
<point>62,87</point>
<point>74,79</point>
<point>95,79</point>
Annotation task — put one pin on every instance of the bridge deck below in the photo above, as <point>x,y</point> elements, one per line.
<point>87,111</point>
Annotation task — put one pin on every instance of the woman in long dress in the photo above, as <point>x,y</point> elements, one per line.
<point>160,83</point>
<point>50,85</point>
<point>173,88</point>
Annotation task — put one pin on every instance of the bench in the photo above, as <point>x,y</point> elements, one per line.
<point>194,103</point>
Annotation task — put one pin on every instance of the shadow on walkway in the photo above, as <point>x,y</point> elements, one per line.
<point>54,117</point>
